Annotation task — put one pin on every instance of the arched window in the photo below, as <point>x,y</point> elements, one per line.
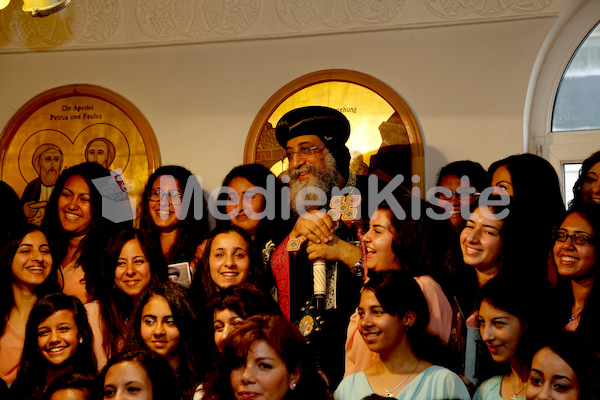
<point>577,105</point>
<point>562,111</point>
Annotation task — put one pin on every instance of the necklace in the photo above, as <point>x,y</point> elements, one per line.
<point>390,392</point>
<point>575,315</point>
<point>515,396</point>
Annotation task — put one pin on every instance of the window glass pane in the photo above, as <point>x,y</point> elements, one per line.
<point>577,104</point>
<point>570,175</point>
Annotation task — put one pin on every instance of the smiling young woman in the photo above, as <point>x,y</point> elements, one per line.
<point>79,231</point>
<point>26,273</point>
<point>132,262</point>
<point>575,255</point>
<point>481,243</point>
<point>247,186</point>
<point>165,322</point>
<point>161,212</point>
<point>58,340</point>
<point>229,259</point>
<point>393,316</point>
<point>412,245</point>
<point>513,313</point>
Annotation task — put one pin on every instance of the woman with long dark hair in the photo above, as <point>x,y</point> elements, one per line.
<point>576,259</point>
<point>26,273</point>
<point>79,231</point>
<point>247,187</point>
<point>525,177</point>
<point>161,212</point>
<point>514,312</point>
<point>164,322</point>
<point>229,259</point>
<point>132,262</point>
<point>565,367</point>
<point>58,340</point>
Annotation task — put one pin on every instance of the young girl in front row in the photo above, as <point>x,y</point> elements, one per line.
<point>513,313</point>
<point>393,316</point>
<point>565,367</point>
<point>58,340</point>
<point>164,323</point>
<point>144,373</point>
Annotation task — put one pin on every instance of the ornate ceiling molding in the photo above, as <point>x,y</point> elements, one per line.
<point>88,24</point>
<point>454,9</point>
<point>336,14</point>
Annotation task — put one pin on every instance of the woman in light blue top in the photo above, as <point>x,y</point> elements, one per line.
<point>514,312</point>
<point>393,315</point>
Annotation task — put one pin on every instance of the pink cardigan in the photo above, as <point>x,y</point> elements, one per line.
<point>360,358</point>
<point>11,349</point>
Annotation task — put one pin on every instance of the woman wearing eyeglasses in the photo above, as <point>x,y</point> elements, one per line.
<point>574,252</point>
<point>170,221</point>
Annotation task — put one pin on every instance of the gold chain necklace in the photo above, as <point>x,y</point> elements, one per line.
<point>390,392</point>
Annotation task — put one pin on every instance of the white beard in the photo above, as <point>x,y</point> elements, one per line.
<point>323,180</point>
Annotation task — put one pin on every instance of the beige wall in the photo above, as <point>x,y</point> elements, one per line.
<point>466,83</point>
